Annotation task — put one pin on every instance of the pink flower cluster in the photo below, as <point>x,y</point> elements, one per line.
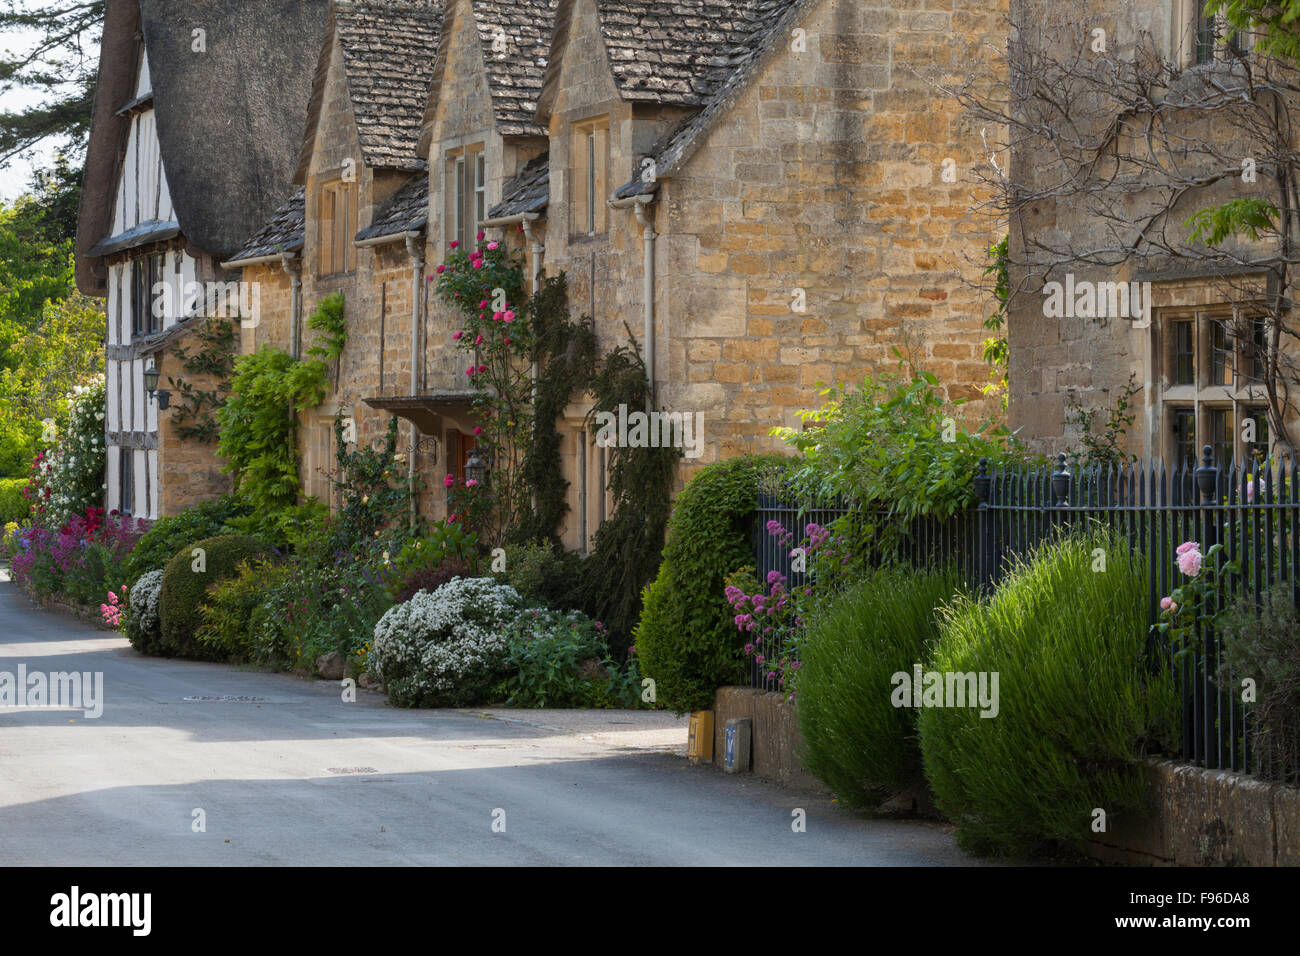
<point>112,611</point>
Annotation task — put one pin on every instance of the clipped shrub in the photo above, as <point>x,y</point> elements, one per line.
<point>14,505</point>
<point>1075,701</point>
<point>445,648</point>
<point>185,583</point>
<point>686,640</point>
<point>855,740</point>
<point>143,625</point>
<point>166,536</point>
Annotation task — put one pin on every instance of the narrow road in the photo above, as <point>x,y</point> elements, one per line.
<point>295,775</point>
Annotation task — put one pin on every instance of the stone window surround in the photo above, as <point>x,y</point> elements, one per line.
<point>589,185</point>
<point>336,253</point>
<point>1185,23</point>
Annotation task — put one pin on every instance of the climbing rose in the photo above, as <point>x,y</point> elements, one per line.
<point>454,244</point>
<point>441,269</point>
<point>448,481</point>
<point>492,246</point>
<point>457,335</point>
<point>1189,562</point>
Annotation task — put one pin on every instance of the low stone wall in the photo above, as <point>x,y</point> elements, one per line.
<point>1196,817</point>
<point>1207,818</point>
<point>775,747</point>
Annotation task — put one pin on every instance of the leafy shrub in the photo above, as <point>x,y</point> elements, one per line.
<point>167,536</point>
<point>855,740</point>
<point>228,609</point>
<point>1261,640</point>
<point>1077,702</point>
<point>14,505</point>
<point>185,584</point>
<point>558,659</point>
<point>143,625</point>
<point>686,640</point>
<point>445,648</point>
<point>893,443</point>
<point>543,573</point>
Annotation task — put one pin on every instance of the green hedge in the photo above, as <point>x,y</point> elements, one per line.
<point>686,640</point>
<point>185,584</point>
<point>855,740</point>
<point>1076,702</point>
<point>169,535</point>
<point>13,506</point>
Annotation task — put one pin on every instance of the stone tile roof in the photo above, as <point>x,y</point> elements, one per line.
<point>515,73</point>
<point>406,211</point>
<point>770,23</point>
<point>388,54</point>
<point>283,232</point>
<point>527,192</point>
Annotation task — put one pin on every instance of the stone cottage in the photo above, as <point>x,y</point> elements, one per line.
<point>770,193</point>
<point>1110,284</point>
<point>356,224</point>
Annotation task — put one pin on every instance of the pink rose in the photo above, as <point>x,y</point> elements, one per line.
<point>478,430</point>
<point>454,244</point>
<point>1188,546</point>
<point>1166,603</point>
<point>478,264</point>
<point>480,236</point>
<point>1189,562</point>
<point>470,370</point>
<point>457,335</point>
<point>482,368</point>
<point>492,246</point>
<point>448,481</point>
<point>479,340</point>
<point>510,315</point>
<point>441,269</point>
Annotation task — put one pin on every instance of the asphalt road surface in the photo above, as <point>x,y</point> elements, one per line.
<point>281,771</point>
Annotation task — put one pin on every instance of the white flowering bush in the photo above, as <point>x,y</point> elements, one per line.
<point>68,477</point>
<point>143,624</point>
<point>446,647</point>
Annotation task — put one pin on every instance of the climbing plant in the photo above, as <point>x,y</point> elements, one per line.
<point>627,548</point>
<point>374,494</point>
<point>195,416</point>
<point>259,421</point>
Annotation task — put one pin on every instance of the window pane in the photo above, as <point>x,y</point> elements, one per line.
<point>1184,353</point>
<point>1204,33</point>
<point>1183,423</point>
<point>1220,354</point>
<point>590,182</point>
<point>1220,421</point>
<point>1259,448</point>
<point>480,189</point>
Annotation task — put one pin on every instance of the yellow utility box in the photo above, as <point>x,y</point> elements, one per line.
<point>699,741</point>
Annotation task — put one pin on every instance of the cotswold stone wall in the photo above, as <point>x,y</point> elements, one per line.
<point>822,188</point>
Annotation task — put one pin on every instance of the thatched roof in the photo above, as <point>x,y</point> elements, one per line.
<point>229,119</point>
<point>388,49</point>
<point>771,22</point>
